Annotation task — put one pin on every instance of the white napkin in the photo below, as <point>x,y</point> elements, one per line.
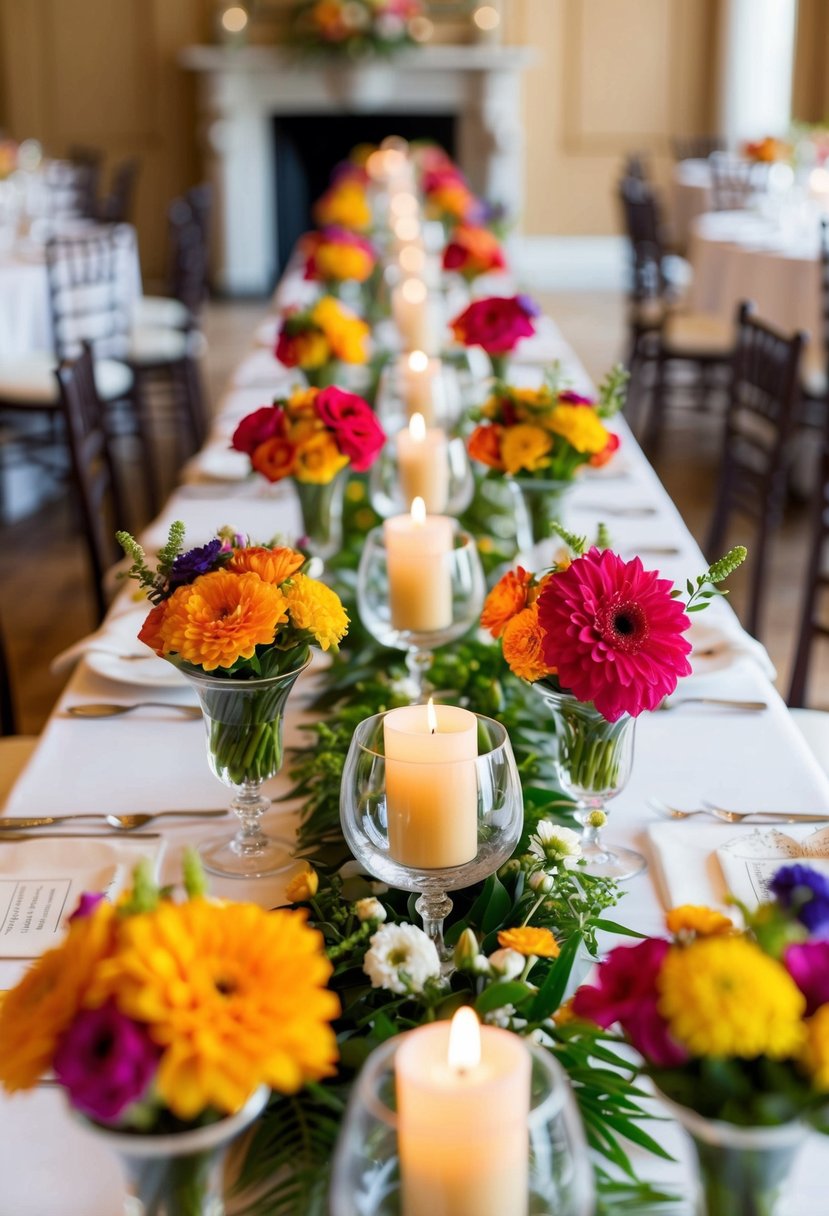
<point>118,635</point>
<point>262,367</point>
<point>725,639</point>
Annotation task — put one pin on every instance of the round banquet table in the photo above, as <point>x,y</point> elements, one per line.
<point>739,255</point>
<point>691,197</point>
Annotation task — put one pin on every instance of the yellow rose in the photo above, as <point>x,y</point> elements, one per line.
<point>524,448</point>
<point>319,460</point>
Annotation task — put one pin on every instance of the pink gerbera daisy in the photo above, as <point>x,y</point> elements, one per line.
<point>614,633</point>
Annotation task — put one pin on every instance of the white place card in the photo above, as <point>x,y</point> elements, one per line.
<point>750,862</point>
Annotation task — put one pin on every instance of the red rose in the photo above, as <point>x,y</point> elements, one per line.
<point>568,397</point>
<point>495,324</point>
<point>254,429</point>
<point>358,433</point>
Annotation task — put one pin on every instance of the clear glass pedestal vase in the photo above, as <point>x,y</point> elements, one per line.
<point>322,515</point>
<point>243,720</point>
<point>742,1171</point>
<point>180,1173</point>
<point>594,758</point>
<point>537,505</point>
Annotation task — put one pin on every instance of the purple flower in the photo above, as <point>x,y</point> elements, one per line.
<point>528,305</point>
<point>87,904</point>
<point>188,566</point>
<point>105,1061</point>
<point>808,965</point>
<point>805,892</point>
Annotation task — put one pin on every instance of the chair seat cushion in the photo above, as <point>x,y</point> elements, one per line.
<point>31,380</point>
<point>813,725</point>
<point>690,333</point>
<point>164,311</point>
<point>151,344</point>
<point>15,751</point>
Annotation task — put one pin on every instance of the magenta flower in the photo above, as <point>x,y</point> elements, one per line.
<point>614,633</point>
<point>626,993</point>
<point>105,1061</point>
<point>87,904</point>
<point>808,965</point>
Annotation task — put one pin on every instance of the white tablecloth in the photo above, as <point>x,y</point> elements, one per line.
<point>145,761</point>
<point>691,196</point>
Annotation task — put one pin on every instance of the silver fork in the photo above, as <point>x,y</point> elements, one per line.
<point>723,703</point>
<point>725,816</point>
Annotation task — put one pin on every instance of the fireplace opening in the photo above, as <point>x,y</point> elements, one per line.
<point>309,145</point>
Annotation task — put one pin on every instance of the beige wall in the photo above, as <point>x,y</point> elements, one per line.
<point>614,75</point>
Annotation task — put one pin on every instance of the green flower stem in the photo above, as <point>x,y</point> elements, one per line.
<point>592,763</point>
<point>742,1181</point>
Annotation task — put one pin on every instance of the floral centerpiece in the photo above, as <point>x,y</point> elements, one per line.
<point>238,620</point>
<point>337,255</point>
<point>472,251</point>
<point>766,151</point>
<point>168,1019</point>
<point>318,338</point>
<point>733,1026</point>
<point>447,196</point>
<point>603,640</point>
<point>345,203</point>
<point>355,28</point>
<point>496,324</point>
<point>313,436</point>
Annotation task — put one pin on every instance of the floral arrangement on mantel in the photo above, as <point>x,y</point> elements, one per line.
<point>547,433</point>
<point>354,29</point>
<point>497,325</point>
<point>336,255</point>
<point>316,339</point>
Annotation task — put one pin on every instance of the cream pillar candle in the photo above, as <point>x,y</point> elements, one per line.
<point>422,383</point>
<point>414,316</point>
<point>423,465</point>
<point>431,785</point>
<point>463,1104</point>
<point>418,549</point>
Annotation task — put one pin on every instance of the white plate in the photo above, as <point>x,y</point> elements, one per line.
<point>122,636</point>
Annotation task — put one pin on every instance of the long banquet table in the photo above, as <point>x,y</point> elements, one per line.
<point>153,760</point>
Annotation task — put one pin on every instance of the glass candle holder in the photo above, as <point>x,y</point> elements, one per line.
<point>407,819</point>
<point>366,1178</point>
<point>455,577</point>
<point>447,484</point>
<point>417,383</point>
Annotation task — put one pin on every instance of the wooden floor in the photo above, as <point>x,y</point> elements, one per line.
<point>45,603</point>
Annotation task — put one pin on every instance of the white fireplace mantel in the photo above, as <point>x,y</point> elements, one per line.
<point>243,88</point>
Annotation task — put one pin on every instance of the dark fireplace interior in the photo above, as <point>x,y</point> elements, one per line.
<point>309,145</point>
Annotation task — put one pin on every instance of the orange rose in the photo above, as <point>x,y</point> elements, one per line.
<point>151,632</point>
<point>484,445</point>
<point>272,565</point>
<point>274,459</point>
<point>521,641</point>
<point>507,598</point>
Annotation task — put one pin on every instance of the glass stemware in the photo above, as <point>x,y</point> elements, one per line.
<point>487,788</point>
<point>460,567</point>
<point>417,383</point>
<point>243,721</point>
<point>366,1178</point>
<point>387,492</point>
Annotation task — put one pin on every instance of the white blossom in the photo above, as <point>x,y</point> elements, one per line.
<point>370,909</point>
<point>542,882</point>
<point>553,843</point>
<point>401,959</point>
<point>507,963</point>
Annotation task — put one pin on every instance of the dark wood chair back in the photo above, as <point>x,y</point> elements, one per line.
<point>759,423</point>
<point>814,617</point>
<point>187,277</point>
<point>90,291</point>
<point>96,481</point>
<point>734,181</point>
<point>117,207</point>
<point>8,718</point>
<point>696,147</point>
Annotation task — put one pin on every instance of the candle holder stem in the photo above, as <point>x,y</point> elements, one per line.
<point>418,663</point>
<point>433,906</point>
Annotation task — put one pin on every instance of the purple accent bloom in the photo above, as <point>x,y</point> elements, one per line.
<point>87,904</point>
<point>529,306</point>
<point>808,965</point>
<point>188,566</point>
<point>105,1061</point>
<point>805,892</point>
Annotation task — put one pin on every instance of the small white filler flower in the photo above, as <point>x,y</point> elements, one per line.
<point>401,959</point>
<point>553,843</point>
<point>370,909</point>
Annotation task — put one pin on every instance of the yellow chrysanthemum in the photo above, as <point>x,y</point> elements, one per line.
<point>235,997</point>
<point>317,608</point>
<point>222,618</point>
<point>521,642</point>
<point>580,426</point>
<point>345,333</point>
<point>35,1014</point>
<point>815,1054</point>
<point>318,459</point>
<point>272,565</point>
<point>335,261</point>
<point>311,349</point>
<point>345,205</point>
<point>722,996</point>
<point>303,885</point>
<point>698,921</point>
<point>524,448</point>
<point>526,941</point>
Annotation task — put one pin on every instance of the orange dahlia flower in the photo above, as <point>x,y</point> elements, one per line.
<point>274,459</point>
<point>272,565</point>
<point>222,618</point>
<point>506,599</point>
<point>522,645</point>
<point>526,940</point>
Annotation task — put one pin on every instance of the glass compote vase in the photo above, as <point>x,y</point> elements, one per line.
<point>537,504</point>
<point>456,576</point>
<point>557,1177</point>
<point>594,758</point>
<point>243,721</point>
<point>179,1173</point>
<point>322,514</point>
<point>427,825</point>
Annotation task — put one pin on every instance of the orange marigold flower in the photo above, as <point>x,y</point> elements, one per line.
<point>274,459</point>
<point>697,920</point>
<point>224,617</point>
<point>151,632</point>
<point>317,608</point>
<point>484,445</point>
<point>521,641</point>
<point>524,448</point>
<point>507,598</point>
<point>272,565</point>
<point>318,459</point>
<point>527,940</point>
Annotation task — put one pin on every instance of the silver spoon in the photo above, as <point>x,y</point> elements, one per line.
<point>748,706</point>
<point>632,512</point>
<point>107,709</point>
<point>121,823</point>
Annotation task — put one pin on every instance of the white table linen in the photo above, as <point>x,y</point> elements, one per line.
<point>145,762</point>
<point>691,196</point>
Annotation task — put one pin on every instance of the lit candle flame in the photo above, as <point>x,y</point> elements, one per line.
<point>417,428</point>
<point>464,1040</point>
<point>418,359</point>
<point>431,717</point>
<point>418,511</point>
